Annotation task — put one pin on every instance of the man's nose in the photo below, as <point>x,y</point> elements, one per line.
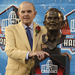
<point>26,13</point>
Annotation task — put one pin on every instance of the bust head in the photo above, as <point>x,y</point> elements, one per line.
<point>54,19</point>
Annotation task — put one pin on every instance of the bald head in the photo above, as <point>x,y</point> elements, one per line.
<point>26,12</point>
<point>26,3</point>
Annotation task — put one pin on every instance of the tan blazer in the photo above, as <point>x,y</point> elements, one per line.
<point>17,46</point>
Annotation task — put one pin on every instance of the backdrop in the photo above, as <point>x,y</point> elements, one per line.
<point>8,9</point>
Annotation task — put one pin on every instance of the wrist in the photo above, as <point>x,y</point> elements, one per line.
<point>30,54</point>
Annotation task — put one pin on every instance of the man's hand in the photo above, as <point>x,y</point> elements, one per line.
<point>40,54</point>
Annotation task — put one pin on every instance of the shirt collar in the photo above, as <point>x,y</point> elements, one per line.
<point>31,26</point>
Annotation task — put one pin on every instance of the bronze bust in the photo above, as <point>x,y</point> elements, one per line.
<point>54,21</point>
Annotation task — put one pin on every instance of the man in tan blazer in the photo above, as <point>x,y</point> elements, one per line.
<point>18,47</point>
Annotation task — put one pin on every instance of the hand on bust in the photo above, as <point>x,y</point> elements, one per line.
<point>40,54</point>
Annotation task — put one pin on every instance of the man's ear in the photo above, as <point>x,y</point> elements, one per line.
<point>35,13</point>
<point>18,13</point>
<point>63,24</point>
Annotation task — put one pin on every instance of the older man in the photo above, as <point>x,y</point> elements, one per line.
<point>23,41</point>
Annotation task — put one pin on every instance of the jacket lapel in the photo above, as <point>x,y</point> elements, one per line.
<point>23,34</point>
<point>35,37</point>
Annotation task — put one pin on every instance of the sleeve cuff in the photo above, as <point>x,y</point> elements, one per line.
<point>27,56</point>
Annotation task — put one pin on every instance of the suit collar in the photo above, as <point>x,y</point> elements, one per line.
<point>31,26</point>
